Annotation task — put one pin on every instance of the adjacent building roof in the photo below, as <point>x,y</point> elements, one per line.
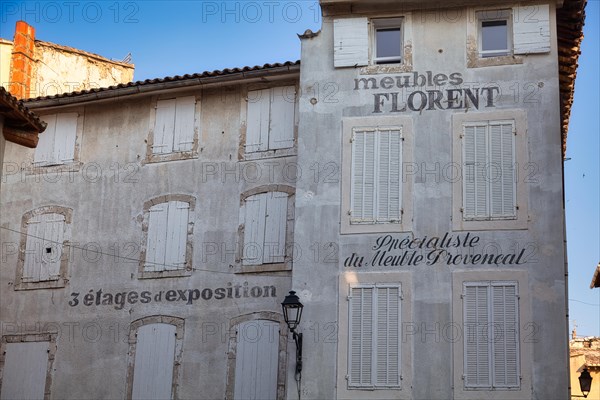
<point>596,278</point>
<point>21,125</point>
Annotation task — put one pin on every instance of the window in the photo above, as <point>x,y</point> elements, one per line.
<point>44,255</point>
<point>490,149</point>
<point>266,225</point>
<point>26,365</point>
<point>491,335</point>
<point>168,237</point>
<point>174,134</point>
<point>494,33</point>
<point>154,357</point>
<point>374,336</point>
<point>489,170</point>
<point>271,119</point>
<point>387,36</point>
<point>376,194</point>
<point>57,143</point>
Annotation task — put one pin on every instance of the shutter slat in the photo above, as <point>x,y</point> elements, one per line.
<point>176,238</point>
<point>33,249</point>
<point>44,151</point>
<point>531,29</point>
<point>254,229</point>
<point>66,134</point>
<point>24,372</point>
<point>185,108</point>
<point>257,120</point>
<point>164,126</point>
<point>275,227</point>
<point>282,114</point>
<point>351,42</point>
<point>157,235</point>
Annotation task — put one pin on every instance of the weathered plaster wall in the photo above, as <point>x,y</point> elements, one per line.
<point>107,193</point>
<point>60,69</point>
<point>439,45</point>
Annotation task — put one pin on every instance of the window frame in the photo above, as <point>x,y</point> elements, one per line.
<point>525,347</point>
<point>505,15</point>
<point>178,323</point>
<point>347,280</point>
<point>243,155</point>
<point>61,279</point>
<point>143,273</point>
<point>282,357</point>
<point>152,157</point>
<point>286,265</point>
<point>520,155</point>
<point>406,180</point>
<point>381,24</point>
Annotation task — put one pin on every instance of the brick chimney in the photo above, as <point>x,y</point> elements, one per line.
<point>21,63</point>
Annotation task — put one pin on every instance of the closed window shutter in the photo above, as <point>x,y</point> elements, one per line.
<point>363,176</point>
<point>283,106</point>
<point>502,179</point>
<point>66,134</point>
<point>157,238</point>
<point>505,335</point>
<point>33,249</point>
<point>492,337</point>
<point>361,337</point>
<point>25,369</point>
<point>275,227</point>
<point>374,343</point>
<point>475,166</point>
<point>389,162</point>
<point>154,359</point>
<point>164,126</point>
<point>531,29</point>
<point>388,337</point>
<point>255,209</point>
<point>44,151</point>
<point>184,123</point>
<point>176,241</point>
<point>52,247</point>
<point>477,358</point>
<point>257,124</point>
<point>350,42</point>
<point>256,360</point>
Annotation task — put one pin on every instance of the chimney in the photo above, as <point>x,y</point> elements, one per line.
<point>21,63</point>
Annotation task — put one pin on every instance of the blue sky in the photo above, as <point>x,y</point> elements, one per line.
<point>177,38</point>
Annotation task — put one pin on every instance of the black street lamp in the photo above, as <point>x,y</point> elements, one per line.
<point>292,313</point>
<point>585,382</point>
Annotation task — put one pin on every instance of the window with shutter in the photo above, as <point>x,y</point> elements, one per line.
<point>44,248</point>
<point>174,125</point>
<point>374,336</point>
<point>376,189</point>
<point>25,365</point>
<point>265,227</point>
<point>491,335</point>
<point>166,244</point>
<point>57,143</point>
<point>270,121</point>
<point>489,184</point>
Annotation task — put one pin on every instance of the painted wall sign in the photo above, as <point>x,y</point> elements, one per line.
<point>417,92</point>
<point>186,296</point>
<point>450,249</point>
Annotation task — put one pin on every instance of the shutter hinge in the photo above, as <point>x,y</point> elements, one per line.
<point>349,212</point>
<point>402,211</point>
<point>517,207</point>
<point>347,377</point>
<point>402,139</point>
<point>401,295</point>
<point>462,377</point>
<point>462,295</point>
<point>462,210</point>
<point>461,136</point>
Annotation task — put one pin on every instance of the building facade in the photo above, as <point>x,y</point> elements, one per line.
<point>405,179</point>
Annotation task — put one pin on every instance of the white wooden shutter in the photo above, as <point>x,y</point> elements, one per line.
<point>257,120</point>
<point>154,358</point>
<point>350,42</point>
<point>33,249</point>
<point>283,107</point>
<point>475,166</point>
<point>360,359</point>
<point>255,209</point>
<point>184,123</point>
<point>531,29</point>
<point>24,372</point>
<point>476,317</point>
<point>256,360</point>
<point>65,137</point>
<point>54,229</point>
<point>164,126</point>
<point>44,151</point>
<point>505,335</point>
<point>363,176</point>
<point>502,179</point>
<point>275,227</point>
<point>388,337</point>
<point>157,238</point>
<point>389,175</point>
<point>176,241</point>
